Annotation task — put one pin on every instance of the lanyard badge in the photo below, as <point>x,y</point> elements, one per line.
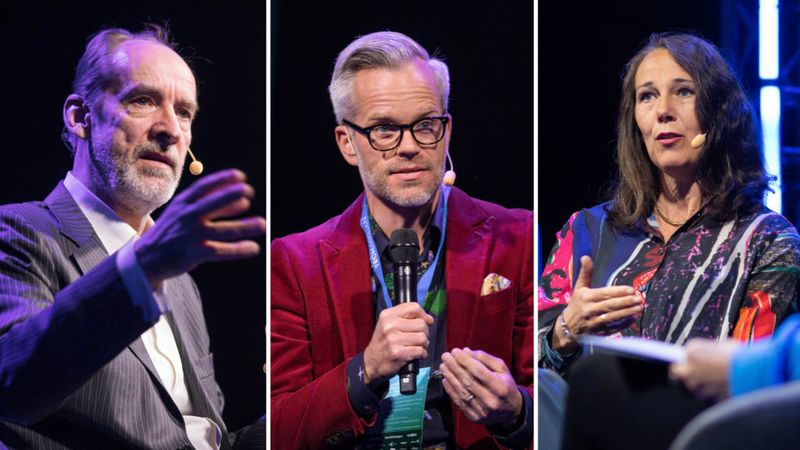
<point>400,417</point>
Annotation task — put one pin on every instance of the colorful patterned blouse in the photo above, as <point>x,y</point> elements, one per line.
<point>711,279</point>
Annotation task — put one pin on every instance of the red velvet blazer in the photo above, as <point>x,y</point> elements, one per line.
<point>322,315</point>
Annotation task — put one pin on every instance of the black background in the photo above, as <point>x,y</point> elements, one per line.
<point>488,47</point>
<point>582,53</point>
<point>41,45</point>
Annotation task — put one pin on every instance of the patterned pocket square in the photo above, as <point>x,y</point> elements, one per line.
<point>494,283</point>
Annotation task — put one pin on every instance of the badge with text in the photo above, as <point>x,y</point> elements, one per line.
<point>399,424</point>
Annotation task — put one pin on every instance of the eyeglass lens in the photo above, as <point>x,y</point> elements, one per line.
<point>425,132</point>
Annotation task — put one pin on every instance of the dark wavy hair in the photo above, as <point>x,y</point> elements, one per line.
<point>730,168</point>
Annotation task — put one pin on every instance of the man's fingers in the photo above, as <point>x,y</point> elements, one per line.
<point>236,230</point>
<point>448,387</point>
<point>585,275</point>
<point>471,408</point>
<point>210,182</point>
<point>234,208</point>
<point>411,310</point>
<point>410,339</point>
<point>472,399</point>
<point>226,251</point>
<point>455,389</point>
<point>473,367</point>
<point>471,377</point>
<point>413,325</point>
<point>207,205</point>
<point>493,363</point>
<point>456,375</point>
<point>489,385</point>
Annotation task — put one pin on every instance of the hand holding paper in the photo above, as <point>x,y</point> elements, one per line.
<point>705,370</point>
<point>401,335</point>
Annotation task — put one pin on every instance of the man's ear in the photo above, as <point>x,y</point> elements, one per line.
<point>77,116</point>
<point>346,146</point>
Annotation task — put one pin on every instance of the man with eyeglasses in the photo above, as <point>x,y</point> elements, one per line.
<point>338,337</point>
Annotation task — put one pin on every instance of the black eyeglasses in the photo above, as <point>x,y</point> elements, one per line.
<point>385,137</point>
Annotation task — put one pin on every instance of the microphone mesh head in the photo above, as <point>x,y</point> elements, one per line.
<point>403,246</point>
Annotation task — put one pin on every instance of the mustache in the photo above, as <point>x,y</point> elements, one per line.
<point>151,149</point>
<point>393,168</point>
<point>155,147</point>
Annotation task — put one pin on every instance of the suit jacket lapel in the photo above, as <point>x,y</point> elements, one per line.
<point>201,403</point>
<point>182,321</point>
<point>345,263</point>
<point>468,242</point>
<point>347,274</point>
<point>87,252</point>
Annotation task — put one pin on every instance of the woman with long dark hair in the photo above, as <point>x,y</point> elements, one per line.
<point>684,248</point>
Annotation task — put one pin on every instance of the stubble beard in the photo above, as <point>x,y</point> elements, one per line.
<point>141,188</point>
<point>410,194</point>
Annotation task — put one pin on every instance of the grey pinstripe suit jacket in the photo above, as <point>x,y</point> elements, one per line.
<point>73,371</point>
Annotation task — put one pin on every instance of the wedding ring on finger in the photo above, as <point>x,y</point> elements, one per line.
<point>603,318</point>
<point>469,399</point>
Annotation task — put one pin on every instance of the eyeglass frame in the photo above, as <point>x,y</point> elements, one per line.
<point>366,131</point>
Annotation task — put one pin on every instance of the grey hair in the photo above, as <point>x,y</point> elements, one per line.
<point>95,72</point>
<point>384,50</point>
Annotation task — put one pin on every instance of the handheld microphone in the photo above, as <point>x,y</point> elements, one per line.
<point>404,252</point>
<point>196,167</point>
<point>450,175</point>
<point>698,141</point>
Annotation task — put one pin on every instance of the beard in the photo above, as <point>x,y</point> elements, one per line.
<point>410,194</point>
<point>142,188</point>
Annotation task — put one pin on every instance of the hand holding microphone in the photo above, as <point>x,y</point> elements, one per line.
<point>401,335</point>
<point>404,252</point>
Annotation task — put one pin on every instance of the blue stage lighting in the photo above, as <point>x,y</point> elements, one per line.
<point>771,131</point>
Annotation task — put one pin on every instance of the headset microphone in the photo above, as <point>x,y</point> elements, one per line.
<point>450,175</point>
<point>698,140</point>
<point>196,167</point>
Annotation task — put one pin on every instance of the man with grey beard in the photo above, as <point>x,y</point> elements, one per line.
<point>339,338</point>
<point>102,338</point>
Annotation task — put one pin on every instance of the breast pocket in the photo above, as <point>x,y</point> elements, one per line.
<point>205,366</point>
<point>498,302</point>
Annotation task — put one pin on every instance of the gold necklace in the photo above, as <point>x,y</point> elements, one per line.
<point>666,219</point>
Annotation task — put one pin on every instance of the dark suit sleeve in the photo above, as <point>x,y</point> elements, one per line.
<point>308,410</point>
<point>52,340</point>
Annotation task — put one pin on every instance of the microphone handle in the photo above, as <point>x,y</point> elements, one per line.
<point>405,291</point>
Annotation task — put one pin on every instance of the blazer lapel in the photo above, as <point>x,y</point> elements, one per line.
<point>347,274</point>
<point>140,352</point>
<point>468,241</point>
<point>345,262</point>
<point>87,252</point>
<point>183,320</point>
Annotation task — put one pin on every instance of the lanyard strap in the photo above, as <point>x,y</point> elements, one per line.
<point>424,283</point>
